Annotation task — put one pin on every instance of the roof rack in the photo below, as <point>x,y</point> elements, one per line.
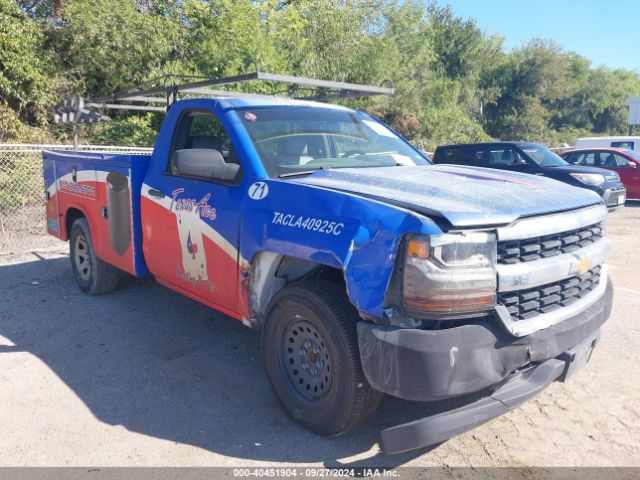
<point>160,99</point>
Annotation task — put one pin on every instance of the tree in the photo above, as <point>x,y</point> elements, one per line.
<point>108,45</point>
<point>27,76</point>
<point>453,81</point>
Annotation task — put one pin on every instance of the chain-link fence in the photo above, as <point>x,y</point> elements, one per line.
<point>22,213</point>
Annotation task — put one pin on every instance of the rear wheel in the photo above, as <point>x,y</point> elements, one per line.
<point>310,348</point>
<point>92,274</point>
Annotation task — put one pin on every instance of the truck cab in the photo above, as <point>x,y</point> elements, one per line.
<point>368,270</point>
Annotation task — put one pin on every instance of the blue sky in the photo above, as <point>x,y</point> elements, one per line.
<point>607,32</point>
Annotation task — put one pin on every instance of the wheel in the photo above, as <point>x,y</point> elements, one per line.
<point>92,274</point>
<point>310,349</point>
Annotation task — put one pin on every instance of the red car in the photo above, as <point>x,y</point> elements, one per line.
<point>626,163</point>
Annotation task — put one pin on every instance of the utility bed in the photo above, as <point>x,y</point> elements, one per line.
<point>105,188</point>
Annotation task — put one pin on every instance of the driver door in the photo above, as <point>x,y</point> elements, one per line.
<point>191,215</point>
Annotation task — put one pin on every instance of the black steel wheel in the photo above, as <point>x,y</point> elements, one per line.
<point>306,358</point>
<point>310,350</point>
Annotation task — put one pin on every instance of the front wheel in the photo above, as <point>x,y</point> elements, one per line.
<point>310,349</point>
<point>92,274</point>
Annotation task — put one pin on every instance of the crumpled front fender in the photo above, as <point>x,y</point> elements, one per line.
<point>337,229</point>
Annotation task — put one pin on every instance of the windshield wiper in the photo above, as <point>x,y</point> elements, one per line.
<point>295,174</point>
<point>308,172</point>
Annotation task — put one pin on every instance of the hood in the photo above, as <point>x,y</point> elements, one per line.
<point>578,169</point>
<point>464,196</point>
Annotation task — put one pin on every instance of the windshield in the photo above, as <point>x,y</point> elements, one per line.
<point>292,141</point>
<point>541,155</point>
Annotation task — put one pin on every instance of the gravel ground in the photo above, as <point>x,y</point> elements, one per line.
<point>145,377</point>
<point>25,231</point>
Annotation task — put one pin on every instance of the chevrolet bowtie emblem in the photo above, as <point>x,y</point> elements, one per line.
<point>583,265</point>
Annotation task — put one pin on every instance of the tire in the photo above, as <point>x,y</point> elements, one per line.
<point>92,275</point>
<point>310,350</point>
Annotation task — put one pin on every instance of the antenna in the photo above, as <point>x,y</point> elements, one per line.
<point>160,99</point>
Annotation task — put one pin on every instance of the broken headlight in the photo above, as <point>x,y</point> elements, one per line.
<point>449,276</point>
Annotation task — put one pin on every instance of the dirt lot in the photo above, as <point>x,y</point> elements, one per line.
<point>146,377</point>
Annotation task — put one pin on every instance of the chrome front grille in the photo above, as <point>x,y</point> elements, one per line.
<point>526,250</point>
<point>550,268</point>
<point>530,302</point>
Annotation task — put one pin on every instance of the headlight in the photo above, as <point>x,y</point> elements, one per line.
<point>450,275</point>
<point>589,178</point>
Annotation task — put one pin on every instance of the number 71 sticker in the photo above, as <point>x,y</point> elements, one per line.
<point>258,190</point>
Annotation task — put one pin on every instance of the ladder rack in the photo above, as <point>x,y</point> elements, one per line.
<point>160,99</point>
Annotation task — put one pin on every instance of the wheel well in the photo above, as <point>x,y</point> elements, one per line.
<point>270,272</point>
<point>73,214</point>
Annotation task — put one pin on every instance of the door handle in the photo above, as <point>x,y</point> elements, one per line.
<point>156,193</point>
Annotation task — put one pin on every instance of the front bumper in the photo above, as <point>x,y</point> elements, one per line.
<point>518,389</point>
<point>426,365</point>
<point>614,197</point>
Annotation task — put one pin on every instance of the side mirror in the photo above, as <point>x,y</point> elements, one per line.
<point>631,164</point>
<point>203,163</point>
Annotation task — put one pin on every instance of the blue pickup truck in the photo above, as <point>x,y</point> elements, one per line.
<point>368,270</point>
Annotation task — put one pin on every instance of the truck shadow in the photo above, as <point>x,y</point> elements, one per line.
<point>159,364</point>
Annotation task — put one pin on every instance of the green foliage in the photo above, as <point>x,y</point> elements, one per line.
<point>25,67</point>
<point>110,45</point>
<point>546,92</point>
<point>135,131</point>
<point>13,129</point>
<point>331,43</point>
<point>454,82</point>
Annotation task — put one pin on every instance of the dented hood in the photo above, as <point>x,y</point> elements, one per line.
<point>464,196</point>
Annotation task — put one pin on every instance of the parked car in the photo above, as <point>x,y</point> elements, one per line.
<point>625,162</point>
<point>630,143</point>
<point>534,159</point>
<point>368,270</point>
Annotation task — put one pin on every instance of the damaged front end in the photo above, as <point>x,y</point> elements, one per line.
<point>468,314</point>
